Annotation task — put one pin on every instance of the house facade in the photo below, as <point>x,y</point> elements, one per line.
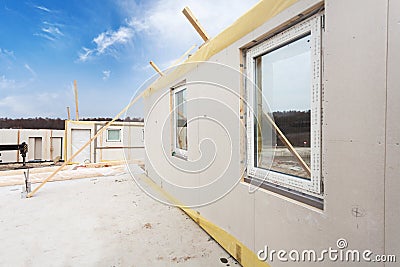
<point>282,132</point>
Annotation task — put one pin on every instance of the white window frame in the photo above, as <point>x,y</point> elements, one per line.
<point>311,186</point>
<point>120,136</point>
<point>176,150</point>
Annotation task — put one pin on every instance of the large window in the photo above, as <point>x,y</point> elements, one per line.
<point>179,122</point>
<point>284,113</point>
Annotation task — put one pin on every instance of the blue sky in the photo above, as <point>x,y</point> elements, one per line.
<point>105,45</point>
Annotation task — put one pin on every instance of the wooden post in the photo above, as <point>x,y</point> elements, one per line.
<point>69,113</point>
<point>156,68</point>
<point>195,23</point>
<point>51,145</point>
<point>85,145</point>
<point>18,142</point>
<point>76,101</point>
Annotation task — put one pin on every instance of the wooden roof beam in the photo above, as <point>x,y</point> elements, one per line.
<point>156,68</point>
<point>196,24</point>
<point>76,101</point>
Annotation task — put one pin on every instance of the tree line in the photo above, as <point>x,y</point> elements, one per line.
<point>295,125</point>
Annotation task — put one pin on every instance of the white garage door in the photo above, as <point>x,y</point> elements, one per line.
<point>79,137</point>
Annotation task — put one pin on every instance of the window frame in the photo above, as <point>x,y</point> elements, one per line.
<point>176,151</point>
<point>313,186</point>
<point>120,136</point>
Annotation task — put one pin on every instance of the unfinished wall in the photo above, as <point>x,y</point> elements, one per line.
<point>43,144</point>
<point>360,140</point>
<point>392,167</point>
<point>128,146</point>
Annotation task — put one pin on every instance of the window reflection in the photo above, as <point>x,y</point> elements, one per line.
<point>283,77</point>
<point>180,120</point>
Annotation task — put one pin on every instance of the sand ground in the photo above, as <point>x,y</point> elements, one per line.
<point>99,221</point>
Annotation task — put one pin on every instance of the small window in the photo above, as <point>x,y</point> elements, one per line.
<point>114,135</point>
<point>179,122</point>
<point>284,112</point>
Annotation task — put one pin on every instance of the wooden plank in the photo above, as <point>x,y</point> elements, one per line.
<point>18,142</point>
<point>76,101</point>
<point>196,24</point>
<point>69,113</point>
<point>156,68</point>
<point>51,145</point>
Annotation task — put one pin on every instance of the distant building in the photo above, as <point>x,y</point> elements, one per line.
<point>43,144</point>
<point>122,140</point>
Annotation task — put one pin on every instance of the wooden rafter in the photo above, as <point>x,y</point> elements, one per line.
<point>156,68</point>
<point>76,101</point>
<point>196,24</point>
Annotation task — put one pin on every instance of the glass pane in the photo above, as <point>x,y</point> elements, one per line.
<point>284,79</point>
<point>113,135</point>
<point>180,120</point>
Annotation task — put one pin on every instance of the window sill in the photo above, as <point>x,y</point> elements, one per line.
<point>179,155</point>
<point>289,193</point>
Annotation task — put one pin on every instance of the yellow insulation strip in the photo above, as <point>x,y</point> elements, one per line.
<point>252,19</point>
<point>231,244</point>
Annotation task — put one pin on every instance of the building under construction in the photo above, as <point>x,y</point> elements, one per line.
<point>279,137</point>
<point>282,130</point>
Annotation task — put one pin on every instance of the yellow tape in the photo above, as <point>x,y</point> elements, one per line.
<point>231,244</point>
<point>252,19</point>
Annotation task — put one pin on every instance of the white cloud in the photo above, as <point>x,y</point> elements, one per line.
<point>52,30</point>
<point>35,104</point>
<point>106,42</point>
<point>11,66</point>
<point>109,38</point>
<point>86,54</point>
<point>106,74</point>
<point>46,36</point>
<point>43,8</point>
<point>6,83</point>
<point>163,27</point>
<point>138,25</point>
<point>165,22</point>
<point>7,53</point>
<point>54,24</point>
<point>30,70</point>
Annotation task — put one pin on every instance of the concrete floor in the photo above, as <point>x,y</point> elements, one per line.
<point>103,221</point>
